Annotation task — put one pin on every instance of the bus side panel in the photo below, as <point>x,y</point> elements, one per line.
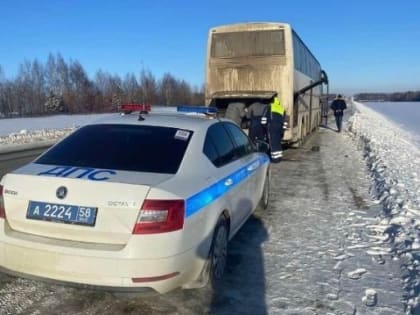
<point>286,84</point>
<point>308,106</point>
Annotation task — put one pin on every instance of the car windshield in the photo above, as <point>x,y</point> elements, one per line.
<point>122,147</point>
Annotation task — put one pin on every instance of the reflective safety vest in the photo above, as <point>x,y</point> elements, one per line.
<point>276,106</point>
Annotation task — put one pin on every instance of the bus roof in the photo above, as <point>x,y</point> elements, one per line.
<point>247,25</point>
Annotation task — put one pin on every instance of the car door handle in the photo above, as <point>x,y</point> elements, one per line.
<point>228,182</point>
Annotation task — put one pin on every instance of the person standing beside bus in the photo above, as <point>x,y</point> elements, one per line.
<point>338,106</point>
<point>275,128</point>
<point>236,111</point>
<point>257,130</point>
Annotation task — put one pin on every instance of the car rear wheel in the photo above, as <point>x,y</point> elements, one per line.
<point>266,191</point>
<point>218,251</point>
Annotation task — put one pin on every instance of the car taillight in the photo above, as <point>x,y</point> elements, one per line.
<point>2,211</point>
<point>160,216</point>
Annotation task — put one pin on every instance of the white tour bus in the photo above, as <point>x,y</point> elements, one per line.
<point>250,62</point>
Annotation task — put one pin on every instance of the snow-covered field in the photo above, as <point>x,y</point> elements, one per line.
<point>15,125</point>
<point>23,131</point>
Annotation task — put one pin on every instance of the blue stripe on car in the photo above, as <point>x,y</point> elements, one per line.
<point>218,189</point>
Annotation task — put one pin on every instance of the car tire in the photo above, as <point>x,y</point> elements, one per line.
<point>266,191</point>
<point>218,252</point>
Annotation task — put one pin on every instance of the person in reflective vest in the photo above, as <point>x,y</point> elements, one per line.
<point>275,121</point>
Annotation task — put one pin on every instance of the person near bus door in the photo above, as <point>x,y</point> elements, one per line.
<point>275,121</point>
<point>257,130</point>
<point>236,111</point>
<point>338,106</point>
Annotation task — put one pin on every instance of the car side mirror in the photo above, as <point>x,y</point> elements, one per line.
<point>262,146</point>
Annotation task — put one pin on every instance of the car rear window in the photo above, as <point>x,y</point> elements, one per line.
<point>122,147</point>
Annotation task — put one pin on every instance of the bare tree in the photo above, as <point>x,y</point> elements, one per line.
<point>184,93</point>
<point>197,96</point>
<point>3,104</point>
<point>130,88</point>
<point>24,89</point>
<point>58,86</point>
<point>12,98</point>
<point>167,89</point>
<point>54,89</point>
<point>2,77</point>
<point>148,87</point>
<point>81,89</point>
<point>109,91</point>
<point>63,82</point>
<point>38,87</point>
<point>51,76</point>
<point>103,88</point>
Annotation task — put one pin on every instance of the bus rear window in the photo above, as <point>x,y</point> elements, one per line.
<point>121,147</point>
<point>250,43</point>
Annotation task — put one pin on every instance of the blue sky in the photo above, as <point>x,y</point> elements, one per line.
<point>364,45</point>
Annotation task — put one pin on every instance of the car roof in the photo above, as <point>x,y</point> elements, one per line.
<point>173,119</point>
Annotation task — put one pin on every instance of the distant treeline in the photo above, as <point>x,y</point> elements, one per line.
<point>60,86</point>
<point>389,97</point>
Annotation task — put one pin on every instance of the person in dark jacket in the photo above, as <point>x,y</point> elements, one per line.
<point>338,106</point>
<point>236,111</point>
<point>257,131</point>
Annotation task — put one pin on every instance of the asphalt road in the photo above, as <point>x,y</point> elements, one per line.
<point>12,160</point>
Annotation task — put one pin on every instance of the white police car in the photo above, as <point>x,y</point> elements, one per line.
<point>143,201</point>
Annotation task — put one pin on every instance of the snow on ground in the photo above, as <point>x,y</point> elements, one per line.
<point>15,125</point>
<point>21,131</point>
<point>394,162</point>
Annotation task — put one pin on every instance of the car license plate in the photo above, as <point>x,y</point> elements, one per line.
<point>61,213</point>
